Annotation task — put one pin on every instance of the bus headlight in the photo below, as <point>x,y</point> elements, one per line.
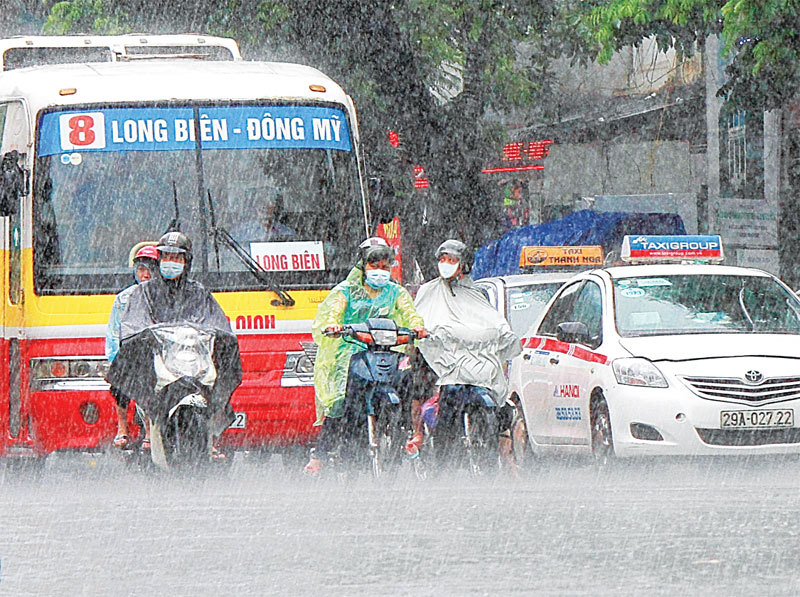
<point>304,366</point>
<point>298,370</point>
<point>68,373</point>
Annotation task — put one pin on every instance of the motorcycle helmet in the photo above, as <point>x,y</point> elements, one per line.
<point>147,257</point>
<point>176,242</point>
<point>146,252</point>
<point>458,250</point>
<point>374,249</point>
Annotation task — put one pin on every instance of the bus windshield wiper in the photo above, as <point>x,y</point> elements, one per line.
<point>260,274</point>
<point>175,223</point>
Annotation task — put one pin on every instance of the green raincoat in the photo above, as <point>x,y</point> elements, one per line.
<point>351,302</point>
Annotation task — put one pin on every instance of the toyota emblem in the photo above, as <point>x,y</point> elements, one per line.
<point>753,376</point>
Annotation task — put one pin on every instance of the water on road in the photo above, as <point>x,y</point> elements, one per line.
<point>89,526</point>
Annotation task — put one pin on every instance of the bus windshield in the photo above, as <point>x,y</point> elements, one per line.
<point>282,180</point>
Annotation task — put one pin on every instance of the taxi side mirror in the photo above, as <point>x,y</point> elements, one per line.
<point>12,183</point>
<point>572,332</point>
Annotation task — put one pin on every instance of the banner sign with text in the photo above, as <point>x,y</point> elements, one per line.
<point>298,256</point>
<point>173,128</point>
<point>661,248</point>
<point>748,223</point>
<point>588,256</point>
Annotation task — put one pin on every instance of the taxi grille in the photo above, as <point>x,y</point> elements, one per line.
<point>773,388</point>
<point>748,437</point>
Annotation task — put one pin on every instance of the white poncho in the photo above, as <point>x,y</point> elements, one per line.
<point>469,340</point>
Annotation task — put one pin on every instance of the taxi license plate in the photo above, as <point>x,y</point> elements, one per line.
<point>753,419</point>
<point>239,422</point>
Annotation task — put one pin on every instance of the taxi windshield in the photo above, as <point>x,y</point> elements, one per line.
<point>703,304</point>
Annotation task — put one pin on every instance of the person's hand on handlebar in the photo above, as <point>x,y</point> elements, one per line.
<point>332,330</point>
<point>421,332</point>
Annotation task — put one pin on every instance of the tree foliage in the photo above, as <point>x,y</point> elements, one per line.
<point>430,69</point>
<point>761,38</point>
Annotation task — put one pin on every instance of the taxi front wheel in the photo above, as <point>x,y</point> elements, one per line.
<point>602,441</point>
<point>520,447</point>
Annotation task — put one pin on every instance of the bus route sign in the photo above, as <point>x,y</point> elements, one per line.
<point>173,128</point>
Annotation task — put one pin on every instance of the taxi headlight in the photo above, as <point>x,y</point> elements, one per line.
<point>638,372</point>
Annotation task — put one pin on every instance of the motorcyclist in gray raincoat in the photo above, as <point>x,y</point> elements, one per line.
<point>172,297</point>
<point>469,342</point>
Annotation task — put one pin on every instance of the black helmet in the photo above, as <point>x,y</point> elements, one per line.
<point>374,249</point>
<point>176,242</point>
<point>458,250</point>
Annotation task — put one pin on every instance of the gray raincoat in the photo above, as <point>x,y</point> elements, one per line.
<point>469,340</point>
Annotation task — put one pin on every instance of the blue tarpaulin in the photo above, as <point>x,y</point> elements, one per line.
<point>501,257</point>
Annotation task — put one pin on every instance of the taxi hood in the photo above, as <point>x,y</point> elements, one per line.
<point>708,346</point>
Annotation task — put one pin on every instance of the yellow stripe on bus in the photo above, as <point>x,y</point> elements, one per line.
<point>250,309</point>
<point>95,309</point>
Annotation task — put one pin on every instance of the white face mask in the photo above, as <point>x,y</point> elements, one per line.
<point>447,270</point>
<point>377,278</point>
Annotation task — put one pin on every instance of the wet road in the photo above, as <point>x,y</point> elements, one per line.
<point>89,527</point>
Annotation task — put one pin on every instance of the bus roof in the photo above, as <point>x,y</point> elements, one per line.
<point>167,80</point>
<point>35,50</point>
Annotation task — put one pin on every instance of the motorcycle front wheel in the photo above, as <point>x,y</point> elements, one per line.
<point>186,438</point>
<point>480,437</point>
<point>386,436</point>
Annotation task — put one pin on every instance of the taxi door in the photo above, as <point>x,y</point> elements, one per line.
<point>571,392</point>
<point>540,367</point>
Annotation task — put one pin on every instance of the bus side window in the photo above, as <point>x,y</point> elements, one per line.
<point>13,125</point>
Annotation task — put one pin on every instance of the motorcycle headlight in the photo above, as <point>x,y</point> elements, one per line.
<point>185,361</point>
<point>385,337</point>
<point>185,351</point>
<point>638,372</point>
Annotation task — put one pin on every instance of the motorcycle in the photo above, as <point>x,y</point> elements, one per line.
<point>183,376</point>
<point>460,431</point>
<point>372,399</point>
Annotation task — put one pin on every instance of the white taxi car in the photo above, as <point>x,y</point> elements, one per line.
<point>521,298</point>
<point>664,358</point>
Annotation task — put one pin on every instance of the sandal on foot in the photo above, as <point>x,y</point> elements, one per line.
<point>413,445</point>
<point>313,468</point>
<point>216,454</point>
<point>121,441</point>
<point>145,447</point>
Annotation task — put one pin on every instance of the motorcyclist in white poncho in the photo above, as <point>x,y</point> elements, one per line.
<point>469,342</point>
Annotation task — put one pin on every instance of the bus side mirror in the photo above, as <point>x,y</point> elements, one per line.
<point>12,183</point>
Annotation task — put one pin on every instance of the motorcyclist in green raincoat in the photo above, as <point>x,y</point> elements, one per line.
<point>366,292</point>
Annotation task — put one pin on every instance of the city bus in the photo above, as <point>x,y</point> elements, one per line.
<point>107,142</point>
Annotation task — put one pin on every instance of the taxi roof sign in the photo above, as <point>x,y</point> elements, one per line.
<point>586,256</point>
<point>653,248</point>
